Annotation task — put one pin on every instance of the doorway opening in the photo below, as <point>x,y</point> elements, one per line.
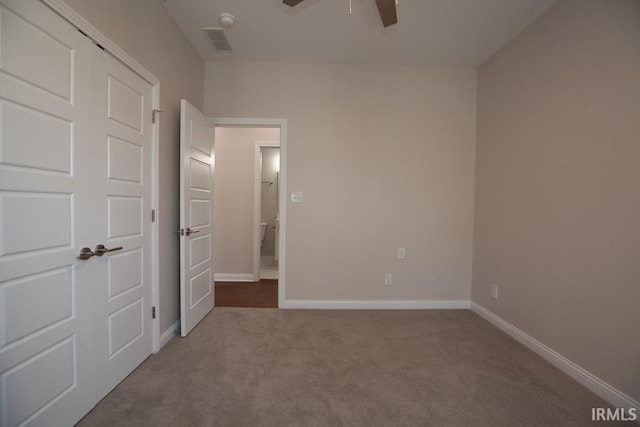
<point>268,171</point>
<point>249,217</point>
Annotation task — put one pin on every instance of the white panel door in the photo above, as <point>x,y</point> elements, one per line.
<point>121,179</point>
<point>75,161</point>
<point>196,217</point>
<point>46,295</point>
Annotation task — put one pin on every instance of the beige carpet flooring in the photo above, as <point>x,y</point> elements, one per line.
<point>269,367</point>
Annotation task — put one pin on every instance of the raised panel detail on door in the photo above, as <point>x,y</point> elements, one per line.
<point>54,372</point>
<point>45,309</point>
<point>22,132</point>
<point>124,160</point>
<point>23,228</point>
<point>51,291</point>
<point>200,213</point>
<point>125,325</point>
<point>200,250</point>
<point>200,176</point>
<point>200,287</point>
<point>196,210</point>
<point>124,216</point>
<point>125,272</point>
<point>75,171</point>
<point>125,105</point>
<point>38,59</point>
<point>201,138</point>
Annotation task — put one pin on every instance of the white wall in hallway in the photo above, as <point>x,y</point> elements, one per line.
<point>269,197</point>
<point>234,183</point>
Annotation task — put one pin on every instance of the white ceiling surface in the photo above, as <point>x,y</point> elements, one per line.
<point>457,33</point>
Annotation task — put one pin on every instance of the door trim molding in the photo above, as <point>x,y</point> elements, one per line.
<point>257,203</point>
<point>282,201</point>
<point>75,19</point>
<point>68,13</point>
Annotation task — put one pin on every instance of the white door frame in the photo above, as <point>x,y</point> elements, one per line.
<point>96,35</point>
<point>282,202</point>
<point>257,203</point>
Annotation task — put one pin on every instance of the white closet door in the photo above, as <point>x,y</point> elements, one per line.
<point>75,161</point>
<point>121,182</point>
<point>46,352</point>
<point>196,217</point>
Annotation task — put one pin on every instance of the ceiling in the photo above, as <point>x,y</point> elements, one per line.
<point>453,33</point>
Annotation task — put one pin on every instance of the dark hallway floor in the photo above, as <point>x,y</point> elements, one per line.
<point>262,294</point>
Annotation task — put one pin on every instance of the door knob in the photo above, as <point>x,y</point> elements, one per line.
<point>86,253</point>
<point>101,250</point>
<point>190,231</point>
<point>187,232</point>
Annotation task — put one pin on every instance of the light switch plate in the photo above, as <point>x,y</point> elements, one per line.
<point>297,197</point>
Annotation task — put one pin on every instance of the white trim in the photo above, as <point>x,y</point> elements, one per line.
<point>257,202</point>
<point>282,203</point>
<point>169,334</point>
<point>75,19</point>
<point>155,228</point>
<point>377,304</point>
<point>612,395</point>
<point>234,277</point>
<point>68,13</point>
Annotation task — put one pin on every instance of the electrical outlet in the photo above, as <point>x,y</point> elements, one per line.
<point>494,291</point>
<point>388,279</point>
<point>401,253</point>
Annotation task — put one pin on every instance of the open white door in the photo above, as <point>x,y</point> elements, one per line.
<point>196,217</point>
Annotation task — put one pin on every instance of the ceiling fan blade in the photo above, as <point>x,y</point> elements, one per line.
<point>387,10</point>
<point>291,2</point>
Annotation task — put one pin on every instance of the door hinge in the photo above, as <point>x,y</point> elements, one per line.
<point>153,215</point>
<point>154,113</point>
<point>153,312</point>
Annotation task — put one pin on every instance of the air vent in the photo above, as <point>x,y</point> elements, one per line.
<point>217,38</point>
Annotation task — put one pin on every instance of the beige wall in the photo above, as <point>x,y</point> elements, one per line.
<point>269,198</point>
<point>234,189</point>
<point>144,29</point>
<point>385,157</point>
<point>557,223</point>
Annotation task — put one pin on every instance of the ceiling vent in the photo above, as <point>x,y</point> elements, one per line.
<point>217,38</point>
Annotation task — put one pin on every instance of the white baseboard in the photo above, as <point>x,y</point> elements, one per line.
<point>612,395</point>
<point>233,277</point>
<point>169,333</point>
<point>376,305</point>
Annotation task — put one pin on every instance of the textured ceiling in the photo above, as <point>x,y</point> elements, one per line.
<point>459,33</point>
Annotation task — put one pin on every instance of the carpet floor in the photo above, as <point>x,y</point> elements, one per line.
<point>269,367</point>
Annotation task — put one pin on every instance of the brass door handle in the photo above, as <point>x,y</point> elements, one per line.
<point>101,250</point>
